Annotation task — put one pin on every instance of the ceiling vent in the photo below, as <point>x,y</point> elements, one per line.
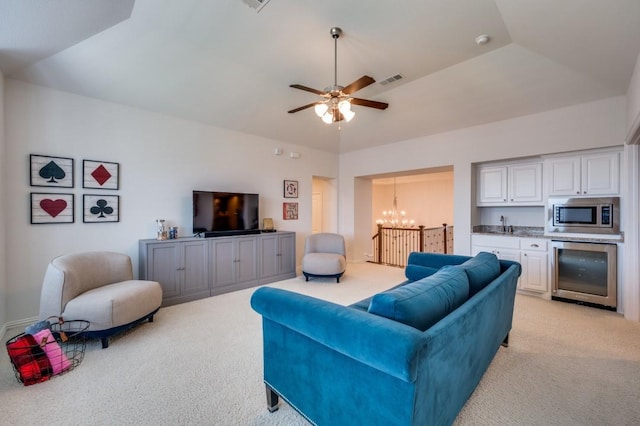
<point>256,4</point>
<point>391,79</point>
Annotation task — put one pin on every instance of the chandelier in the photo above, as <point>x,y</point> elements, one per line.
<point>395,218</point>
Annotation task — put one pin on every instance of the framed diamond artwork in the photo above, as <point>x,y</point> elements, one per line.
<point>100,175</point>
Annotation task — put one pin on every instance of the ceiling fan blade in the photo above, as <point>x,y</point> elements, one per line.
<point>308,89</point>
<point>302,107</point>
<point>360,83</point>
<point>368,103</point>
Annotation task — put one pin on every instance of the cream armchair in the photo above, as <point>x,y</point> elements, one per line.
<point>324,256</point>
<point>98,287</point>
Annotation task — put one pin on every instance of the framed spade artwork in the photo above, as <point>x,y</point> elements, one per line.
<point>51,208</point>
<point>100,175</point>
<point>100,208</point>
<point>54,172</point>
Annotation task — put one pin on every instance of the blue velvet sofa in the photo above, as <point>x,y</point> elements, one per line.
<point>411,355</point>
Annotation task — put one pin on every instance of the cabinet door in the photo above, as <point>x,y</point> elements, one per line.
<point>564,176</point>
<point>223,260</point>
<point>247,259</point>
<point>195,264</point>
<point>269,265</point>
<point>492,185</point>
<point>525,184</point>
<point>163,266</point>
<point>507,254</point>
<point>534,271</point>
<point>601,174</point>
<point>287,253</point>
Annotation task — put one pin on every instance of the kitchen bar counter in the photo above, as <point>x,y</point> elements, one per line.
<point>538,232</point>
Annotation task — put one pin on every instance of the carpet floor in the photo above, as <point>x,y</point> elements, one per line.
<point>200,363</point>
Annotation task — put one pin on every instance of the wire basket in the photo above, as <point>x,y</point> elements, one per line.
<point>55,349</point>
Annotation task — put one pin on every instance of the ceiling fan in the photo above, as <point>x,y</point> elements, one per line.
<point>337,100</point>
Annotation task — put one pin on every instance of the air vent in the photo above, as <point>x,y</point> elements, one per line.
<point>391,79</point>
<point>256,4</point>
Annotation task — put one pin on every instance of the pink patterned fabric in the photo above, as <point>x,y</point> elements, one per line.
<point>57,358</point>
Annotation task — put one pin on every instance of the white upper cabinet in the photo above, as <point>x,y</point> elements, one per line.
<point>587,174</point>
<point>512,184</point>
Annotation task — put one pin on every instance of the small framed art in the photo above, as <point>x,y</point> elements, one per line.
<point>100,175</point>
<point>290,211</point>
<point>100,208</point>
<point>54,172</point>
<point>51,208</point>
<point>290,189</point>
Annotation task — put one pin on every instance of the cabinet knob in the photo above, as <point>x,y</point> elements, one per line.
<point>525,254</point>
<point>578,192</point>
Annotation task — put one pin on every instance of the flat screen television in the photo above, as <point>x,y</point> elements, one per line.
<point>225,213</point>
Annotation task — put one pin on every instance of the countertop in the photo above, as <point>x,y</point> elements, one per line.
<point>538,232</point>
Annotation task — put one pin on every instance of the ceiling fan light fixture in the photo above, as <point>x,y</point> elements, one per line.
<point>344,106</point>
<point>321,109</point>
<point>328,117</point>
<point>348,115</point>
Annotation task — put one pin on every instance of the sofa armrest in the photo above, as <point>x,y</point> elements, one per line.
<point>378,342</point>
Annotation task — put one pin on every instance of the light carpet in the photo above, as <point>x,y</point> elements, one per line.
<point>200,363</point>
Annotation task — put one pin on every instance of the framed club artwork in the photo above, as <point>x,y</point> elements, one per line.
<point>100,175</point>
<point>51,208</point>
<point>100,208</point>
<point>54,172</point>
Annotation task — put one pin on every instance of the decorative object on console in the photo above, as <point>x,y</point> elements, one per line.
<point>100,175</point>
<point>290,211</point>
<point>161,234</point>
<point>100,208</point>
<point>290,189</point>
<point>51,171</point>
<point>51,208</point>
<point>267,225</point>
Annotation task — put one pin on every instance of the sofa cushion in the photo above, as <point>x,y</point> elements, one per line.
<point>423,303</point>
<point>481,270</point>
<point>418,272</point>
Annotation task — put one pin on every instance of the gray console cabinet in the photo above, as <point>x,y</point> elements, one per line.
<point>278,256</point>
<point>193,268</point>
<point>180,266</point>
<point>234,263</point>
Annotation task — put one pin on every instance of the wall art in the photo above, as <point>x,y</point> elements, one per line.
<point>100,175</point>
<point>51,208</point>
<point>290,189</point>
<point>100,208</point>
<point>51,171</point>
<point>290,211</point>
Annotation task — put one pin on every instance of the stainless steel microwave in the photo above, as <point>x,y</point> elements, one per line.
<point>584,215</point>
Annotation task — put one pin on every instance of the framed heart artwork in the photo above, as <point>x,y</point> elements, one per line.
<point>54,172</point>
<point>52,208</point>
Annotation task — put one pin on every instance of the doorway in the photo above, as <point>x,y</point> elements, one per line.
<point>324,201</point>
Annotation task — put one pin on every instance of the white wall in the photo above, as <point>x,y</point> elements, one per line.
<point>585,126</point>
<point>428,200</point>
<point>3,183</point>
<point>162,159</point>
<point>633,103</point>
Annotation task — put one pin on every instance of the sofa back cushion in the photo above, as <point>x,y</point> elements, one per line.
<point>418,272</point>
<point>481,270</point>
<point>423,303</point>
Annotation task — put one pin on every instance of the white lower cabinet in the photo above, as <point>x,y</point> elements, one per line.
<point>531,253</point>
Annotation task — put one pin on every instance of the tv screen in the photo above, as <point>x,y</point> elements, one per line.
<point>220,213</point>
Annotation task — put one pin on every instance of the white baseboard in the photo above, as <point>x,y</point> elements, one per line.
<point>21,324</point>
